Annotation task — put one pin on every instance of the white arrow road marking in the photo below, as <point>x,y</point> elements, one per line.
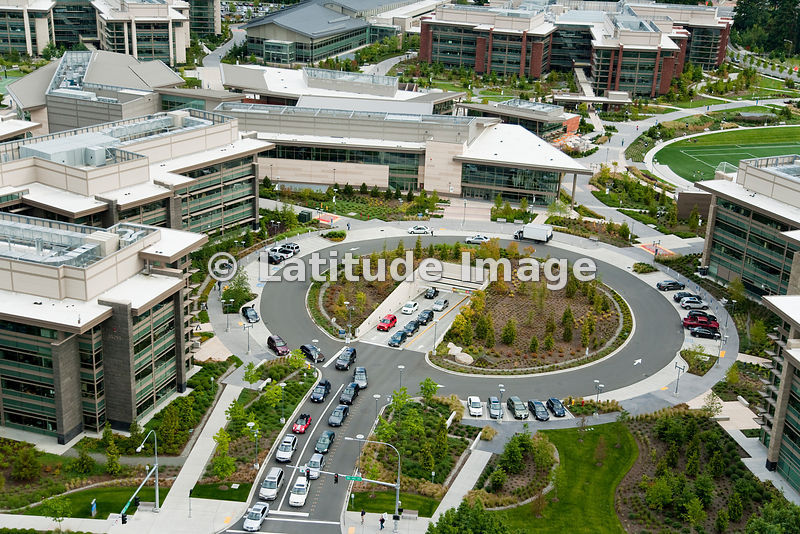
<point>637,362</point>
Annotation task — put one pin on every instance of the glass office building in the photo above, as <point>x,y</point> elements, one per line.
<point>73,19</point>
<point>513,184</point>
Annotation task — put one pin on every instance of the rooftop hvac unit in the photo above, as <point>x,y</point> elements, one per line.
<point>95,156</point>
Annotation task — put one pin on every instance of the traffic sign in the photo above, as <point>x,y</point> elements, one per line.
<point>357,479</point>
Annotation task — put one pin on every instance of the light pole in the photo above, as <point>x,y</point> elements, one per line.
<point>254,429</point>
<point>464,216</point>
<point>681,369</point>
<point>401,367</point>
<point>599,387</point>
<point>435,324</point>
<point>377,397</point>
<point>502,390</point>
<point>283,386</point>
<point>397,486</point>
<point>247,327</point>
<point>225,304</point>
<point>157,507</point>
<point>349,321</point>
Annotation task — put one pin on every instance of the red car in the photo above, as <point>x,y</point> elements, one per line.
<point>694,322</point>
<point>301,425</point>
<point>387,323</point>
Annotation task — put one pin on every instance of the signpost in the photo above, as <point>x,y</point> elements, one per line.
<point>356,479</point>
<point>94,507</point>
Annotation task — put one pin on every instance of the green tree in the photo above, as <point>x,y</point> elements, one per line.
<point>736,290</point>
<point>108,434</point>
<point>490,337</point>
<point>694,219</point>
<point>481,327</point>
<point>272,395</point>
<point>716,466</point>
<point>721,523</point>
<point>659,494</point>
<point>236,417</point>
<point>84,463</point>
<point>400,399</point>
<point>695,514</point>
<point>418,248</point>
<point>467,333</point>
<point>735,507</point>
<point>498,201</point>
<point>509,333</point>
<point>385,431</point>
<point>25,465</point>
<point>732,375</point>
<point>692,464</point>
<point>363,189</point>
<point>223,466</point>
<point>58,508</point>
<point>427,389</point>
<point>567,317</point>
<point>410,195</point>
<point>169,429</point>
<point>567,332</point>
<point>549,342</point>
<point>704,489</point>
<point>468,519</point>
<point>296,360</point>
<point>441,444</point>
<point>251,373</point>
<point>624,231</point>
<point>223,441</point>
<point>113,466</point>
<point>497,479</point>
<point>512,460</point>
<point>534,346</point>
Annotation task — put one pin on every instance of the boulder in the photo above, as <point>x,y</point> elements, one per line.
<point>464,358</point>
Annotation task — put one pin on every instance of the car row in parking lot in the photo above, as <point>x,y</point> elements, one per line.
<point>389,321</point>
<point>700,323</point>
<point>516,408</point>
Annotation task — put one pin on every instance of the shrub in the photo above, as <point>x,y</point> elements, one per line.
<point>335,235</point>
<point>488,433</point>
<point>509,333</point>
<point>498,479</point>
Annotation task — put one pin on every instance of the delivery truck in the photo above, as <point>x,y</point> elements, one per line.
<point>540,233</point>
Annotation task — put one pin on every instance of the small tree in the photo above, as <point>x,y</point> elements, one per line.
<point>251,373</point>
<point>721,523</point>
<point>410,195</point>
<point>735,507</point>
<point>712,406</point>
<point>58,508</point>
<point>497,479</point>
<point>567,332</point>
<point>113,466</point>
<point>84,463</point>
<point>624,231</point>
<point>490,337</point>
<point>296,360</point>
<point>694,219</point>
<point>363,189</point>
<point>481,327</point>
<point>399,399</point>
<point>736,290</point>
<point>534,346</point>
<point>509,333</point>
<point>427,389</point>
<point>695,514</point>
<point>732,375</point>
<point>223,466</point>
<point>25,465</point>
<point>549,342</point>
<point>137,435</point>
<point>272,395</point>
<point>108,434</point>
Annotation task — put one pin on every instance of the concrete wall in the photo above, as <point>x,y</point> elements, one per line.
<point>687,200</point>
<point>118,364</point>
<point>767,183</point>
<point>291,171</point>
<point>40,116</point>
<point>184,143</point>
<point>441,170</point>
<point>67,385</point>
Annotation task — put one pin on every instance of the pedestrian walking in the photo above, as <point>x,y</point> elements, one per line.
<point>431,232</point>
<point>363,513</point>
<point>348,227</point>
<point>382,521</point>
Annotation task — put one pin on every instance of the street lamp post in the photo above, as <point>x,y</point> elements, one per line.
<point>435,324</point>
<point>349,321</point>
<point>401,367</point>
<point>157,507</point>
<point>247,327</point>
<point>502,390</point>
<point>599,387</point>
<point>377,397</point>
<point>225,304</point>
<point>283,386</point>
<point>681,369</point>
<point>254,429</point>
<point>464,216</point>
<point>397,485</point>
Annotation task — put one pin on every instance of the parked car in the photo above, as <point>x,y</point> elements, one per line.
<point>693,303</point>
<point>324,442</point>
<point>294,247</point>
<point>538,410</point>
<point>419,229</point>
<point>255,517</point>
<point>321,390</point>
<point>701,313</point>
<point>315,463</point>
<point>286,449</point>
<point>312,352</point>
<point>301,425</point>
<point>349,394</point>
<point>346,358</point>
<point>431,293</point>
<point>287,252</point>
<point>494,407</point>
<point>477,239</point>
<point>275,259</point>
<point>702,331</point>
<point>556,407</point>
<point>410,307</point>
<point>425,316</point>
<point>516,407</point>
<point>278,345</point>
<point>474,406</point>
<point>250,314</point>
<point>680,295</point>
<point>299,491</point>
<point>398,338</point>
<point>694,322</point>
<point>670,285</point>
<point>338,415</point>
<point>388,322</point>
<point>411,327</point>
<point>278,251</point>
<point>272,484</point>
<point>441,305</point>
<point>360,377</point>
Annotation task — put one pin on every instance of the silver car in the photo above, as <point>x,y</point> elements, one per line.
<point>315,465</point>
<point>441,305</point>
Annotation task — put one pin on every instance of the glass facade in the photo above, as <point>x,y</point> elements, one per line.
<point>12,31</point>
<point>403,166</point>
<point>545,130</point>
<point>635,74</point>
<point>222,195</point>
<point>453,46</point>
<point>154,358</point>
<point>201,17</point>
<point>747,244</point>
<point>74,18</point>
<point>703,46</point>
<point>285,52</point>
<point>170,102</point>
<point>487,181</point>
<point>93,400</point>
<point>571,44</point>
<point>152,213</point>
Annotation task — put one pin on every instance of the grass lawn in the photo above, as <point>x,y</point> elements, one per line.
<point>587,503</point>
<point>110,500</point>
<point>695,159</point>
<point>213,491</point>
<point>698,103</point>
<point>384,502</point>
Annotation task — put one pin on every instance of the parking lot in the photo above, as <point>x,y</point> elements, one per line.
<point>422,339</point>
<point>507,416</point>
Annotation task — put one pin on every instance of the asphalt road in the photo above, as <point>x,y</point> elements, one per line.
<point>283,310</point>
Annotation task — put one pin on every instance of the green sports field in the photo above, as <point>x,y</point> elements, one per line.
<point>696,158</point>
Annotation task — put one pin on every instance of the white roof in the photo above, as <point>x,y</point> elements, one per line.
<point>788,305</point>
<point>14,127</point>
<point>136,194</point>
<point>791,235</point>
<point>509,144</point>
<point>345,141</point>
<point>749,198</point>
<point>60,200</point>
<point>141,289</point>
<point>173,243</point>
<point>239,147</point>
<point>66,314</point>
<point>366,104</point>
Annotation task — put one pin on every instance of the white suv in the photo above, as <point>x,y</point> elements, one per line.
<point>474,406</point>
<point>299,492</point>
<point>693,303</point>
<point>286,449</point>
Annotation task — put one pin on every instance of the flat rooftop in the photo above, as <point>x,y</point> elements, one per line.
<point>733,191</point>
<point>786,305</point>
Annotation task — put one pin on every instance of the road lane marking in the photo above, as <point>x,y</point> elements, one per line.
<point>286,512</point>
<point>334,397</point>
<point>722,354</point>
<point>318,521</point>
<point>334,358</point>
<point>664,388</point>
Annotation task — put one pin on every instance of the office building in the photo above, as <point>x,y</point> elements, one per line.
<point>461,156</point>
<point>751,216</point>
<point>94,323</point>
<point>75,22</point>
<point>205,17</point>
<point>547,121</point>
<point>628,47</point>
<point>26,26</point>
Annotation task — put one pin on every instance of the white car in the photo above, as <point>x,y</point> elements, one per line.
<point>476,240</point>
<point>278,252</point>
<point>410,307</point>
<point>441,305</point>
<point>693,303</point>
<point>315,465</point>
<point>419,229</point>
<point>299,492</point>
<point>474,405</point>
<point>286,448</point>
<point>255,517</point>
